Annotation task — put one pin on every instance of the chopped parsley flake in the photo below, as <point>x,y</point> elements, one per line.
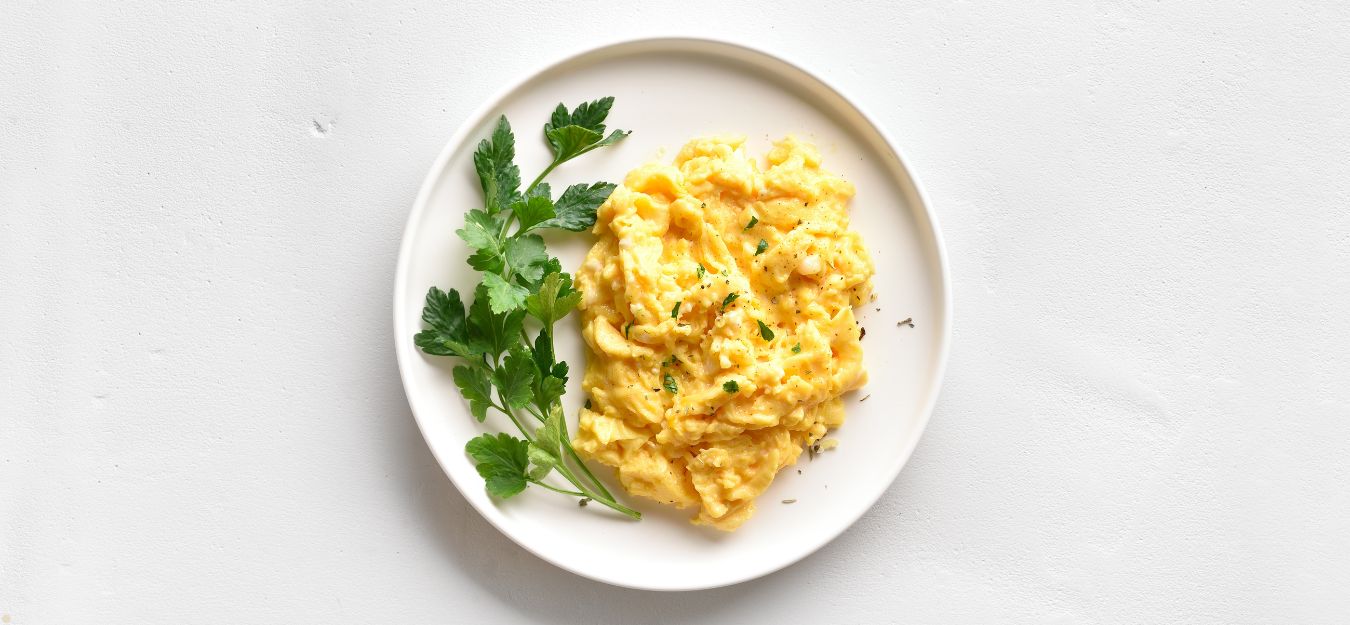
<point>669,383</point>
<point>731,386</point>
<point>753,220</point>
<point>675,312</point>
<point>764,331</point>
<point>731,297</point>
<point>763,245</point>
<point>797,349</point>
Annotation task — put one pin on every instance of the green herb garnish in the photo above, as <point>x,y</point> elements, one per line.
<point>702,271</point>
<point>764,331</point>
<point>731,297</point>
<point>675,312</point>
<point>797,349</point>
<point>523,291</point>
<point>763,245</point>
<point>626,328</point>
<point>731,386</point>
<point>668,382</point>
<point>753,220</point>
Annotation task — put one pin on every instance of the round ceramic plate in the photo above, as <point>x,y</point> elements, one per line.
<point>667,91</point>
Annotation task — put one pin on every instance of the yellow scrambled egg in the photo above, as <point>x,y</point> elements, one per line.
<point>718,313</point>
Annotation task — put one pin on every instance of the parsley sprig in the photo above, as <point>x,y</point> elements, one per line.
<point>523,290</point>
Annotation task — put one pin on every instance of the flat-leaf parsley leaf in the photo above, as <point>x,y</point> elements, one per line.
<point>494,160</point>
<point>502,461</point>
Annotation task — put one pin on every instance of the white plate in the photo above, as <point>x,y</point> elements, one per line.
<point>668,91</point>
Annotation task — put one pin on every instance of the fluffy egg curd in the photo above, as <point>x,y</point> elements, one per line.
<point>718,313</point>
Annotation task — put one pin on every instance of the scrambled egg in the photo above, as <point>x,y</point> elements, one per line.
<point>718,312</point>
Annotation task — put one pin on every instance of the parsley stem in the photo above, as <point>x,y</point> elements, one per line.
<point>567,440</point>
<point>585,469</point>
<point>558,490</point>
<point>625,510</point>
<point>506,225</point>
<point>512,415</point>
<point>607,501</point>
<point>540,179</point>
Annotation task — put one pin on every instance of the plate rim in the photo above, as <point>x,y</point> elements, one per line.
<point>403,341</point>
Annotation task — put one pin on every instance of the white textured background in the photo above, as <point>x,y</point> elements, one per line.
<point>1146,418</point>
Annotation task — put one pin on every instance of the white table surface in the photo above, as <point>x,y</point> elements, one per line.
<point>1146,418</point>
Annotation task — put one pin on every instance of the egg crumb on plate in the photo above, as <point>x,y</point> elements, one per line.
<point>718,316</point>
